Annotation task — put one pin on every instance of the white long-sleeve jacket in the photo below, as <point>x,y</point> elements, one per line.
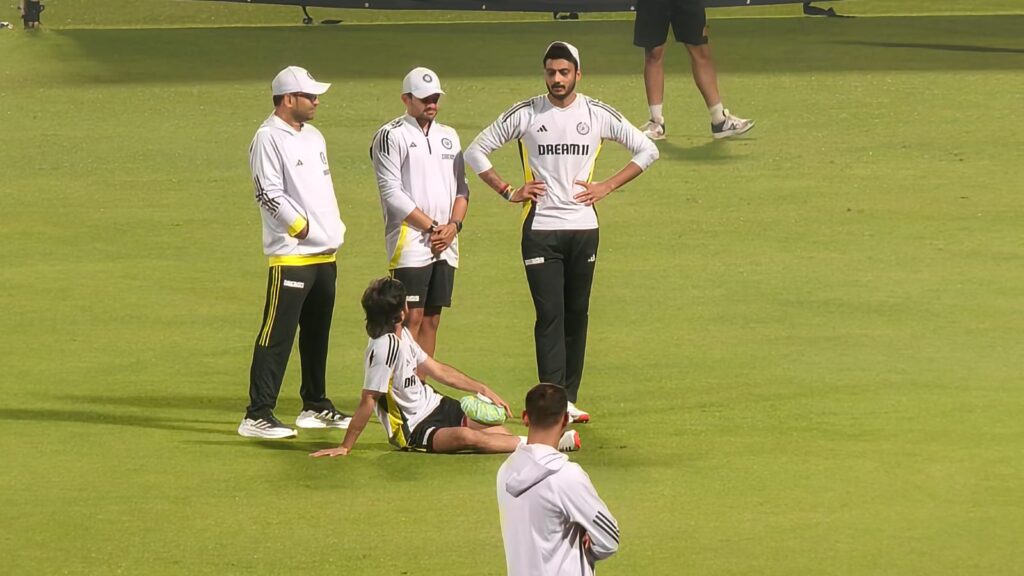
<point>417,170</point>
<point>547,506</point>
<point>294,190</point>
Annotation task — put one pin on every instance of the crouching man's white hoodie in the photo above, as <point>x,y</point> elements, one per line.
<point>547,506</point>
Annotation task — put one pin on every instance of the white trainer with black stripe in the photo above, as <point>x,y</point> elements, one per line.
<point>268,427</point>
<point>730,126</point>
<point>653,129</point>
<point>329,418</point>
<point>570,441</point>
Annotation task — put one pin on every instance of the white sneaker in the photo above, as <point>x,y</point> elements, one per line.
<point>731,126</point>
<point>577,415</point>
<point>653,130</point>
<point>265,428</point>
<point>570,441</point>
<point>330,418</point>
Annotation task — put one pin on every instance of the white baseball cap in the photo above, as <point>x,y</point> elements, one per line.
<point>295,79</point>
<point>421,82</point>
<point>572,50</point>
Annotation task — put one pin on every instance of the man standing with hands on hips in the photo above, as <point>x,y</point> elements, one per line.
<point>302,230</point>
<point>560,134</point>
<point>421,176</point>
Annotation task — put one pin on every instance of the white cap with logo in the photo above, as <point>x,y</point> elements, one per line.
<point>421,82</point>
<point>295,79</point>
<point>572,50</point>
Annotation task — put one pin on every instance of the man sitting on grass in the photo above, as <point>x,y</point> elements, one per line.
<point>414,415</point>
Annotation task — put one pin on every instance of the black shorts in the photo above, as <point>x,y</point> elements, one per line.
<point>653,17</point>
<point>429,286</point>
<point>448,414</point>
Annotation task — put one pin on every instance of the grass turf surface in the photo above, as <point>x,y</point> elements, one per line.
<point>805,350</point>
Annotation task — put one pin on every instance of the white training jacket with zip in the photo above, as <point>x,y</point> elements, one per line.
<point>547,505</point>
<point>293,186</point>
<point>417,170</point>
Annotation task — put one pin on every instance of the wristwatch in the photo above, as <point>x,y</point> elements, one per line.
<point>458,225</point>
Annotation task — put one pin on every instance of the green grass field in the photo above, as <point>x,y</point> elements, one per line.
<point>806,345</point>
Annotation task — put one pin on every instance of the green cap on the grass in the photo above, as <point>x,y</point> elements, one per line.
<point>480,409</point>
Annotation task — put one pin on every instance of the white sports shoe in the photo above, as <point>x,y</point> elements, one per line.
<point>269,427</point>
<point>577,415</point>
<point>731,126</point>
<point>331,418</point>
<point>570,441</point>
<point>653,130</point>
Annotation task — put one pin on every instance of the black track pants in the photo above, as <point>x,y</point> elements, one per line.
<point>560,269</point>
<point>298,297</point>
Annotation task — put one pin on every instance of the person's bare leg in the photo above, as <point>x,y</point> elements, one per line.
<point>450,440</point>
<point>430,321</point>
<point>704,74</point>
<point>723,124</point>
<point>414,321</point>
<point>654,75</point>
<point>654,84</point>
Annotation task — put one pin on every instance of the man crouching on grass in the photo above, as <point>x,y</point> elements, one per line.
<point>414,415</point>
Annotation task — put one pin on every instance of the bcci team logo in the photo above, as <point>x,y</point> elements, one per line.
<point>428,78</point>
<point>583,128</point>
<point>446,143</point>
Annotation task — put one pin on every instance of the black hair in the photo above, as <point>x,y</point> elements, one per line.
<point>560,52</point>
<point>546,405</point>
<point>278,99</point>
<point>383,301</point>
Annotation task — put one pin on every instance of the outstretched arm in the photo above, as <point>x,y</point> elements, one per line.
<point>366,403</point>
<point>446,374</point>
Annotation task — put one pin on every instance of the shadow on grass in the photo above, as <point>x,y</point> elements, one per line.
<point>229,405</point>
<point>93,417</point>
<point>710,152</point>
<point>941,47</point>
<point>787,45</point>
<point>286,445</point>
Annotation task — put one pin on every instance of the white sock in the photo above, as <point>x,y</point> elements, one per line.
<point>656,113</point>
<point>717,113</point>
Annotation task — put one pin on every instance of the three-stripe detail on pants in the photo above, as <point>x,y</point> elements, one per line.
<point>272,297</point>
